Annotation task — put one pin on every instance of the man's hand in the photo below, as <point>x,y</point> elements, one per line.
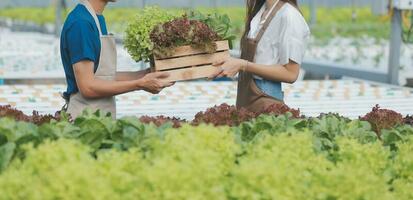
<point>155,82</point>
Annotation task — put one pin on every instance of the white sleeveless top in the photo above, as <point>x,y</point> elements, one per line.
<point>285,38</point>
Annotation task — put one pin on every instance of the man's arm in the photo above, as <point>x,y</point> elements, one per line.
<point>91,87</point>
<point>129,76</point>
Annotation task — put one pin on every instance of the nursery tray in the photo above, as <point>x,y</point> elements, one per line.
<point>188,63</point>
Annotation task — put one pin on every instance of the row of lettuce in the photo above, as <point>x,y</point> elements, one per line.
<point>270,156</point>
<point>226,115</point>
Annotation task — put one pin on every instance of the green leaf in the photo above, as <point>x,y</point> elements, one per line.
<point>3,139</point>
<point>360,130</point>
<point>6,155</point>
<point>261,126</point>
<point>93,133</point>
<point>391,136</point>
<point>14,131</point>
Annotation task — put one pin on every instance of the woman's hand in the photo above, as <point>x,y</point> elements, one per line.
<point>155,82</point>
<point>230,66</point>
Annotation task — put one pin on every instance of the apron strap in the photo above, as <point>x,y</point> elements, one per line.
<point>92,12</point>
<point>67,100</point>
<point>268,20</point>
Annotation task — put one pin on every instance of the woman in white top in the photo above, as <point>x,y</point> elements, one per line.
<point>272,50</point>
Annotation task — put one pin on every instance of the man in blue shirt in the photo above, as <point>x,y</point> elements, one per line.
<point>89,76</point>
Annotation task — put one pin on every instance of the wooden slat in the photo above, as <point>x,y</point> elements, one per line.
<point>192,73</point>
<point>188,61</point>
<point>188,50</point>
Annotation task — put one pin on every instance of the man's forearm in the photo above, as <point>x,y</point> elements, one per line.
<point>91,87</point>
<point>129,76</point>
<point>99,88</point>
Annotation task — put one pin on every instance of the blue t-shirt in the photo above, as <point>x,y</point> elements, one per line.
<point>79,41</point>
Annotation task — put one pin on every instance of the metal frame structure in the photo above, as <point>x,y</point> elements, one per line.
<point>313,12</point>
<point>395,47</point>
<point>60,7</point>
<point>326,68</point>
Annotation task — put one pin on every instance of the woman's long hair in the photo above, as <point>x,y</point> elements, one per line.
<point>254,6</point>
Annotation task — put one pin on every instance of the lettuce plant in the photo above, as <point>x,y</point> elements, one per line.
<point>182,31</point>
<point>223,114</point>
<point>280,109</point>
<point>382,119</point>
<point>162,120</point>
<point>36,118</point>
<point>137,40</point>
<point>221,24</point>
<point>409,120</point>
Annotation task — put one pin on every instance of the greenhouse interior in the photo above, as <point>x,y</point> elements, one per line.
<point>191,99</point>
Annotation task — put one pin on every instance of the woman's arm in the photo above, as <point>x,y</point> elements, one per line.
<point>92,88</point>
<point>283,73</point>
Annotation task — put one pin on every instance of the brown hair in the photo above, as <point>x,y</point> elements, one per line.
<point>254,6</point>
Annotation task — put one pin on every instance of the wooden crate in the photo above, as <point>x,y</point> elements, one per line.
<point>188,63</point>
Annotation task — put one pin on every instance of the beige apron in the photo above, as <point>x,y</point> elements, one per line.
<point>106,71</point>
<point>249,95</point>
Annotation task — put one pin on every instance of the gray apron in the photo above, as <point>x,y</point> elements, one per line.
<point>106,71</point>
